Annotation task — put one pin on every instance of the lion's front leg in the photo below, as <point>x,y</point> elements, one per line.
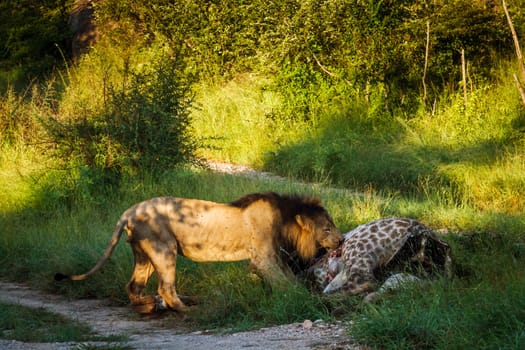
<point>269,269</point>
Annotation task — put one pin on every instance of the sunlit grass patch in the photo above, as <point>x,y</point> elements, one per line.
<point>238,120</point>
<point>497,187</point>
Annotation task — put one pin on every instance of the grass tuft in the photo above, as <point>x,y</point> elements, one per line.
<point>38,325</point>
<point>439,318</point>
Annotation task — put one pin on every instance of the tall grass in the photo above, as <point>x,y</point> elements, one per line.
<point>468,156</point>
<point>481,308</point>
<point>238,120</point>
<point>480,318</point>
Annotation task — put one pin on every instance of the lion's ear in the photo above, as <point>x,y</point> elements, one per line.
<point>300,221</point>
<point>304,222</point>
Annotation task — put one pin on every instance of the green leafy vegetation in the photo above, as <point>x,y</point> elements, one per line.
<point>142,125</point>
<point>33,40</point>
<point>330,94</point>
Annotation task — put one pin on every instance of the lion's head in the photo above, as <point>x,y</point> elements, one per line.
<point>307,226</point>
<point>312,232</point>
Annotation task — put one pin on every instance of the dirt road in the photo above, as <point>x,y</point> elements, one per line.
<point>160,334</point>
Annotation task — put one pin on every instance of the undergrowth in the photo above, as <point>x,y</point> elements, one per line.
<point>488,258</point>
<point>483,317</point>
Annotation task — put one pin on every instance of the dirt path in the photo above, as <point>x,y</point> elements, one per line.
<point>160,334</point>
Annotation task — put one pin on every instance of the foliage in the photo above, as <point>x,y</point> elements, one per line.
<point>16,123</point>
<point>365,47</point>
<point>241,112</point>
<point>364,43</point>
<point>143,125</point>
<point>322,91</point>
<point>462,153</point>
<point>33,39</point>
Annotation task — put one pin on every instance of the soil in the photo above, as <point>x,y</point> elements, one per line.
<point>168,332</point>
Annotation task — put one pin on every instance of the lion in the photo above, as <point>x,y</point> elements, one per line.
<point>264,228</point>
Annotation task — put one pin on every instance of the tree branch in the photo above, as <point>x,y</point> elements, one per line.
<point>464,76</point>
<point>520,89</point>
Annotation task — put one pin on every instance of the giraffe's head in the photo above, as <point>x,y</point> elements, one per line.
<point>338,283</point>
<point>353,282</point>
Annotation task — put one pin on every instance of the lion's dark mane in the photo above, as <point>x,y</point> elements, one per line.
<point>289,205</point>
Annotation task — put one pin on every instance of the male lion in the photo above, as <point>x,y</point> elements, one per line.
<point>265,228</point>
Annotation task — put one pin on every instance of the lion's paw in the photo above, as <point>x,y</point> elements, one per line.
<point>160,304</point>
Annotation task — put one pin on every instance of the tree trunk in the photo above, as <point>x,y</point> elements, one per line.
<point>518,55</point>
<point>82,25</point>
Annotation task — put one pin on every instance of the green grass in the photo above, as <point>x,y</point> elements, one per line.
<point>480,318</point>
<point>238,122</point>
<point>464,157</point>
<point>38,325</point>
<point>76,234</point>
<point>225,305</point>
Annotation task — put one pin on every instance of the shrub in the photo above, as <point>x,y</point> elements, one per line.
<point>143,125</point>
<point>16,124</point>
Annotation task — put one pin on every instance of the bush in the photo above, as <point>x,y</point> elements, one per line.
<point>143,125</point>
<point>16,125</point>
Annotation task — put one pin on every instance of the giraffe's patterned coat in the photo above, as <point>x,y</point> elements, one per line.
<point>371,248</point>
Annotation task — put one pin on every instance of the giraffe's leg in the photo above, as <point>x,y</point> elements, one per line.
<point>420,254</point>
<point>360,283</point>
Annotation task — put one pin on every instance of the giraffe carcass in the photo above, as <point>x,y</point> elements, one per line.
<point>375,251</point>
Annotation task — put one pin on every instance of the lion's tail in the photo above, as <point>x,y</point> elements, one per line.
<point>119,228</point>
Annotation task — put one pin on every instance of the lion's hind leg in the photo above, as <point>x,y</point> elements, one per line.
<point>163,256</point>
<point>142,271</point>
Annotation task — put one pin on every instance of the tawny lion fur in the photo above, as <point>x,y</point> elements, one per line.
<point>261,227</point>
